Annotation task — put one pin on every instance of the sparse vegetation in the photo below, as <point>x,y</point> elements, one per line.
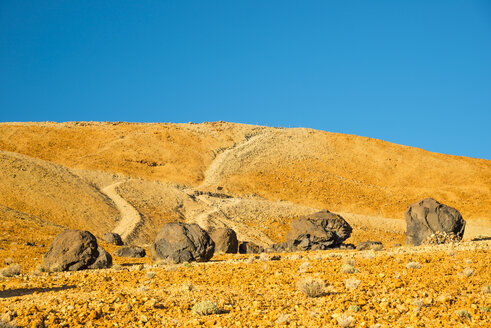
<point>345,320</point>
<point>463,314</point>
<point>348,268</point>
<point>206,308</point>
<point>418,304</point>
<point>486,289</point>
<point>11,270</point>
<point>283,319</point>
<point>354,308</point>
<point>312,287</point>
<point>413,265</point>
<point>150,275</point>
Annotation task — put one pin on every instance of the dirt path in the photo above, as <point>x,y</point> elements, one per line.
<point>130,217</point>
<point>231,159</point>
<point>209,215</point>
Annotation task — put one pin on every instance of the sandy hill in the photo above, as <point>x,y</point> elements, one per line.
<point>133,177</point>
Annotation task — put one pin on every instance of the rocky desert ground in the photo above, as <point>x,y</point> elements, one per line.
<point>133,178</point>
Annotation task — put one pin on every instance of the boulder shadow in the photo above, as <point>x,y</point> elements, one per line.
<point>29,291</point>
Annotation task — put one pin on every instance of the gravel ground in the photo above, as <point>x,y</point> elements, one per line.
<point>449,289</point>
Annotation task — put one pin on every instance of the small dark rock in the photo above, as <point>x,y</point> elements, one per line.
<point>480,238</point>
<point>347,246</point>
<point>29,244</point>
<point>370,245</point>
<point>247,247</point>
<point>104,260</point>
<point>130,251</point>
<point>113,238</point>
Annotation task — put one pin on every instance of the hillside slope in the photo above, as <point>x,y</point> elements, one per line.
<point>52,193</point>
<point>311,168</point>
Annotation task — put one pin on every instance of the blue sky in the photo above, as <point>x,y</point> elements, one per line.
<point>416,73</point>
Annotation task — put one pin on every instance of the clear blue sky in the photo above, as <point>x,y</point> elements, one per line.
<point>416,73</point>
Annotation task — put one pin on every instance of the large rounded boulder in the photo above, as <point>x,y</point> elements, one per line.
<point>225,240</point>
<point>181,242</point>
<point>429,217</point>
<point>321,230</point>
<point>76,250</point>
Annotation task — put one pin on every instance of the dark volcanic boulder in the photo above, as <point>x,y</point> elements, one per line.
<point>320,230</point>
<point>104,260</point>
<point>225,240</point>
<point>76,250</point>
<point>113,238</point>
<point>181,242</point>
<point>428,217</point>
<point>130,251</point>
<point>247,247</point>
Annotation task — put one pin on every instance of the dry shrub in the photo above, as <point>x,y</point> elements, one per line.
<point>345,320</point>
<point>283,319</point>
<point>312,287</point>
<point>413,265</point>
<point>463,314</point>
<point>11,270</point>
<point>348,268</point>
<point>206,308</point>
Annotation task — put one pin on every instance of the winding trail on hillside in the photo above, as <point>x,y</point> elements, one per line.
<point>130,217</point>
<point>231,158</point>
<point>216,218</point>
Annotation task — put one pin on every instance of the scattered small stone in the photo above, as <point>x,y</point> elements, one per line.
<point>247,247</point>
<point>439,238</point>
